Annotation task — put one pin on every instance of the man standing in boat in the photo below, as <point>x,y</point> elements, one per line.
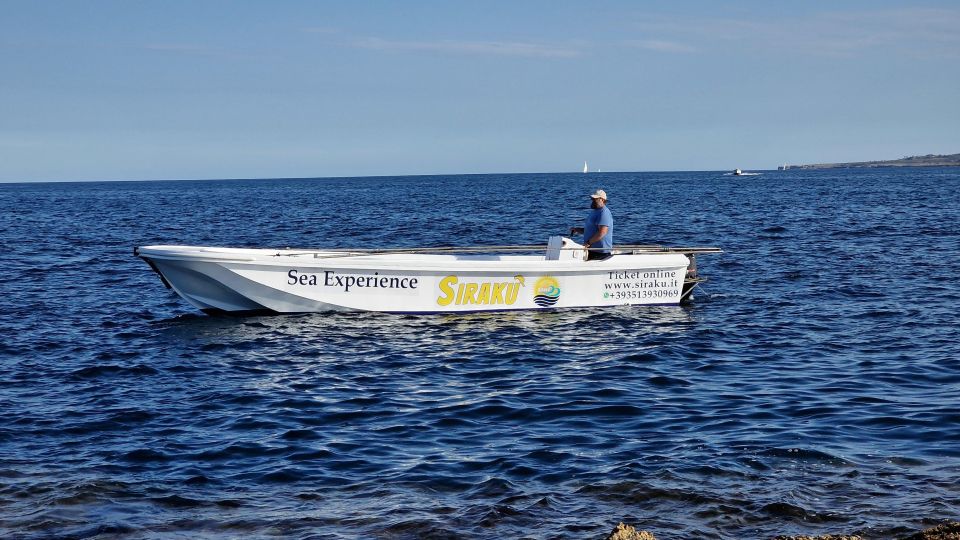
<point>598,230</point>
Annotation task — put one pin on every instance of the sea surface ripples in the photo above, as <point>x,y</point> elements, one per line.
<point>811,388</point>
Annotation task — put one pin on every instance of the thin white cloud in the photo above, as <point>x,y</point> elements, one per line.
<point>201,50</point>
<point>917,28</point>
<point>178,47</point>
<point>660,45</point>
<point>322,30</point>
<point>500,48</point>
<point>920,32</point>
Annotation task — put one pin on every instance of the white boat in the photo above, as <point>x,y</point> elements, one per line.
<point>585,169</point>
<point>738,172</point>
<point>218,280</point>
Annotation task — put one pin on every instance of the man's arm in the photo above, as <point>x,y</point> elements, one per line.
<point>601,232</point>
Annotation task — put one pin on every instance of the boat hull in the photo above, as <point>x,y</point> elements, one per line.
<point>289,281</point>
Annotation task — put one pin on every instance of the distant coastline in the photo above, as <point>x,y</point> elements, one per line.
<point>929,160</point>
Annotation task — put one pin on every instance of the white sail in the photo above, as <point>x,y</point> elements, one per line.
<point>585,169</point>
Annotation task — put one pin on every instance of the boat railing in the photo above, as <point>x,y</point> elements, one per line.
<point>628,249</point>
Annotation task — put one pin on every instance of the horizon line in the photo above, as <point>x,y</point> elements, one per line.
<point>90,181</point>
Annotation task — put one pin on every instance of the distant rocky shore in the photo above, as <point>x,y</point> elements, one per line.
<point>949,530</point>
<point>929,160</point>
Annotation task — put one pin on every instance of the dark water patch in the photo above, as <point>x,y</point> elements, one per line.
<point>454,423</point>
<point>198,480</point>
<point>135,335</point>
<point>311,455</point>
<point>639,494</point>
<point>100,531</point>
<point>301,435</point>
<point>805,455</point>
<point>115,355</point>
<point>284,476</point>
<point>146,455</point>
<point>135,416</point>
<point>177,501</point>
<point>238,450</point>
<point>239,399</point>
<point>798,513</point>
<point>251,423</point>
<point>107,370</point>
<point>907,461</point>
<point>419,528</point>
<point>667,381</point>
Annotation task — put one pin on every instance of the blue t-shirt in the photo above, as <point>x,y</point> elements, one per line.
<point>598,217</point>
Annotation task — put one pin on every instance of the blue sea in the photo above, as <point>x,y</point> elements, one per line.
<point>813,386</point>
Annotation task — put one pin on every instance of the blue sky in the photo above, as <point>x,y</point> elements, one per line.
<point>136,89</point>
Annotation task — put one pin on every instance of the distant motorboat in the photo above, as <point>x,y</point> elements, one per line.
<point>738,172</point>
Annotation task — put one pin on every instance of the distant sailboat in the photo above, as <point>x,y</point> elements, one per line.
<point>585,169</point>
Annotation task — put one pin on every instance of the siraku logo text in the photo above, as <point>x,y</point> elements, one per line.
<point>452,291</point>
<point>346,282</point>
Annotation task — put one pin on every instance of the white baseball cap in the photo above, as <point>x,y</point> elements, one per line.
<point>599,194</point>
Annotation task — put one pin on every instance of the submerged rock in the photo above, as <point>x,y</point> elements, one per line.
<point>949,530</point>
<point>626,532</point>
<point>945,531</point>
